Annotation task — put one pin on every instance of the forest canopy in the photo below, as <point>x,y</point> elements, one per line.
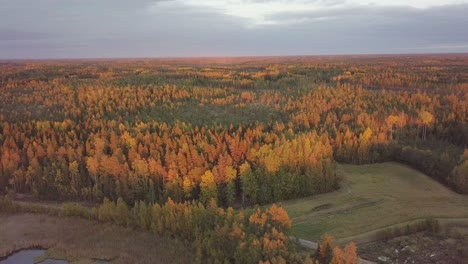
<point>241,131</point>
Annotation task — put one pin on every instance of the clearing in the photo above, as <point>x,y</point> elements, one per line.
<point>423,247</point>
<point>372,198</point>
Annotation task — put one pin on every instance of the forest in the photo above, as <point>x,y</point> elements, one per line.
<point>189,139</point>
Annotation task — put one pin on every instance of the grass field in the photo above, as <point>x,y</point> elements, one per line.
<point>81,241</point>
<point>373,197</point>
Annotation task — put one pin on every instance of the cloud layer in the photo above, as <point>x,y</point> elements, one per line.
<point>176,28</point>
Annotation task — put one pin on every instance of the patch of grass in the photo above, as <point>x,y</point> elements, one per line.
<point>81,241</point>
<point>322,207</point>
<point>374,197</point>
<point>312,230</point>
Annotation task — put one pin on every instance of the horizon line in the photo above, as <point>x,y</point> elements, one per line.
<point>84,58</point>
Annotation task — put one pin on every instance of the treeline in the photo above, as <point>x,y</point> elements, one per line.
<point>217,235</point>
<point>156,161</point>
<point>428,224</point>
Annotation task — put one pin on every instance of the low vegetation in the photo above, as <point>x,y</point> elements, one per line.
<point>373,200</point>
<point>428,224</point>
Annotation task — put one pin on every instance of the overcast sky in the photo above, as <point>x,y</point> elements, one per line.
<point>178,28</point>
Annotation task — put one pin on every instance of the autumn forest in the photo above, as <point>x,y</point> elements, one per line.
<point>200,148</point>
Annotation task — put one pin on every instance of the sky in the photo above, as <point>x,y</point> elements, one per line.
<point>36,29</point>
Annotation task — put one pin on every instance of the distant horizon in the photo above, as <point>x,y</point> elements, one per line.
<point>238,56</point>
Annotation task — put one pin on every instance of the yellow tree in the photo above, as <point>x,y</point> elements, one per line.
<point>425,118</point>
<point>188,187</point>
<point>364,145</point>
<point>230,190</point>
<point>74,174</point>
<point>208,187</point>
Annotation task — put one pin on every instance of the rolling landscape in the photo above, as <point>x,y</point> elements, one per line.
<point>196,132</point>
<point>227,157</point>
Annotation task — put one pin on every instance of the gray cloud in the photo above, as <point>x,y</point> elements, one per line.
<point>118,28</point>
<point>402,26</point>
<point>12,35</point>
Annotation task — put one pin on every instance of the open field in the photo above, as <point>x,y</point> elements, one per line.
<point>374,197</point>
<point>80,241</point>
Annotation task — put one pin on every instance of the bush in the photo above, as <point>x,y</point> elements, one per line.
<point>75,209</point>
<point>7,205</point>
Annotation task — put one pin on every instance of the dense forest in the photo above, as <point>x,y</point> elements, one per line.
<point>186,140</point>
<point>243,131</point>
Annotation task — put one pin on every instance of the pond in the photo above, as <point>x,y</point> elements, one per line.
<point>27,256</point>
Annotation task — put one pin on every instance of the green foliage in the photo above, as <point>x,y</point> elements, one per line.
<point>75,209</point>
<point>428,224</point>
<point>218,235</point>
<point>250,187</point>
<point>122,214</point>
<point>106,212</point>
<point>230,192</point>
<point>459,174</point>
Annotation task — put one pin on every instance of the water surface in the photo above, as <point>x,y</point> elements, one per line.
<point>26,256</point>
<point>23,256</point>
